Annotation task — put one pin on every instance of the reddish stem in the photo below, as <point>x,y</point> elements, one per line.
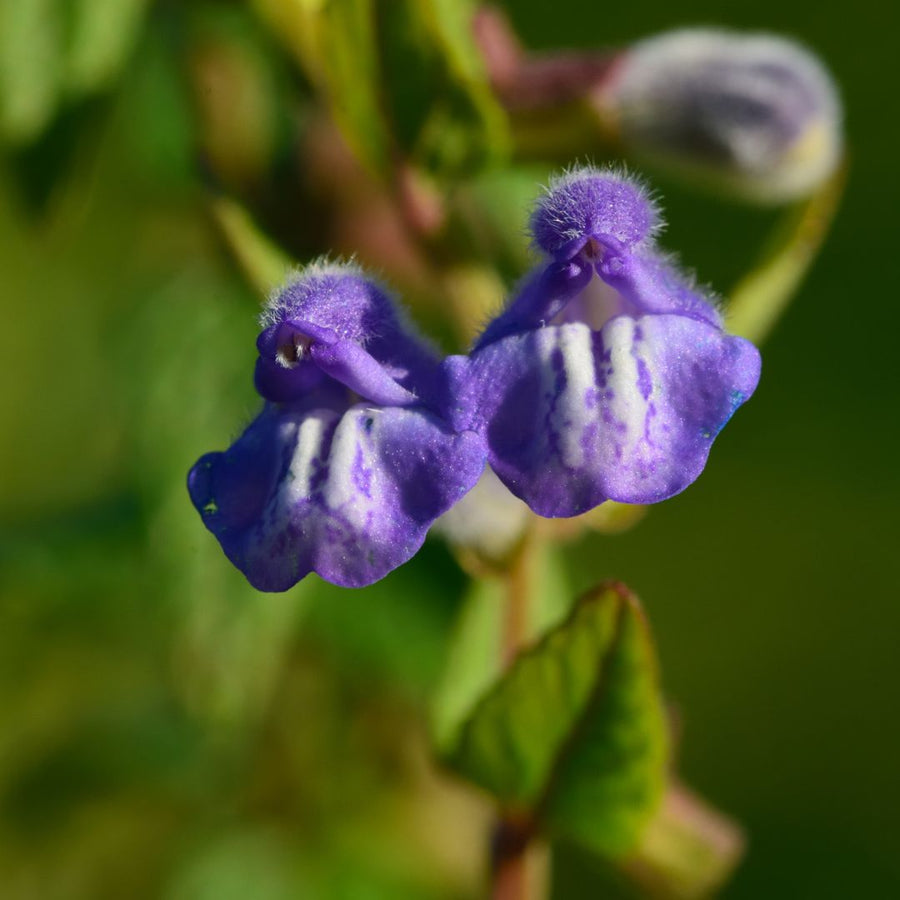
<point>509,861</point>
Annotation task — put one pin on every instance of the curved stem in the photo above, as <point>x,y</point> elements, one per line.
<point>760,298</point>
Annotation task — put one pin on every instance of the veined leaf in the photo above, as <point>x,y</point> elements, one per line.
<point>574,734</point>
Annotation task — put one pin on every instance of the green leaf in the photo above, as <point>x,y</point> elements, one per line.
<point>31,49</point>
<point>56,50</point>
<point>574,734</point>
<point>474,658</point>
<point>444,115</point>
<point>103,34</point>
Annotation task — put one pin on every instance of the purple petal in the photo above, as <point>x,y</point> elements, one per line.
<point>632,284</point>
<point>334,297</point>
<point>349,364</point>
<point>574,417</point>
<point>275,382</point>
<point>349,496</point>
<point>542,295</point>
<point>650,282</point>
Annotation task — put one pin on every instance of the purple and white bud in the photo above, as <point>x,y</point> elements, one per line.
<point>755,111</point>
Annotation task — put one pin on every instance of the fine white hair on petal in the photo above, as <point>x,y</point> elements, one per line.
<point>320,267</point>
<point>304,280</point>
<point>616,171</point>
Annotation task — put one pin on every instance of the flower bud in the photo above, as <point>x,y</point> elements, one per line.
<point>757,112</point>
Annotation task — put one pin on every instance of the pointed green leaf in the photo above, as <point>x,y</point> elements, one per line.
<point>574,733</point>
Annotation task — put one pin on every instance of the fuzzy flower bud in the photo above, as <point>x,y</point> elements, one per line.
<point>757,112</point>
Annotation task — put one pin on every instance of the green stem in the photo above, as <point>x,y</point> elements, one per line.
<point>760,298</point>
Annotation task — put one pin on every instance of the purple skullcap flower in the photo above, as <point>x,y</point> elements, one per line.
<point>609,375</point>
<point>352,457</point>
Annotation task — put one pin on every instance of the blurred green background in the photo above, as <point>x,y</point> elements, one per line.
<point>168,732</point>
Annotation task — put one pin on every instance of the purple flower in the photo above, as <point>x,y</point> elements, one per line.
<point>351,458</point>
<point>609,375</point>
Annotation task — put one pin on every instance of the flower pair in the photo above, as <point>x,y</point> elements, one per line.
<point>607,377</point>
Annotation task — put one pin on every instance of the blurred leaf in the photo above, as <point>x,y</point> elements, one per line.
<point>445,117</point>
<point>263,263</point>
<point>688,850</point>
<point>244,99</point>
<point>574,733</point>
<point>494,205</point>
<point>473,660</point>
<point>103,33</point>
<point>254,863</point>
<point>31,64</point>
<point>346,68</point>
<point>398,75</point>
<point>295,24</point>
<point>386,631</point>
<point>188,352</point>
<point>116,747</point>
<point>53,50</point>
<point>44,167</point>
